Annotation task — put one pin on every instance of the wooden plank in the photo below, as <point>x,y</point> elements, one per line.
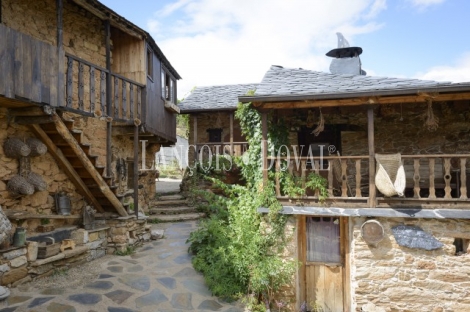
<point>92,90</point>
<point>75,146</point>
<point>278,183</point>
<point>330,177</point>
<point>139,102</point>
<point>65,165</point>
<point>3,56</point>
<point>103,92</point>
<point>463,178</point>
<point>124,100</point>
<point>131,104</point>
<point>447,178</point>
<point>27,67</point>
<point>346,253</point>
<point>116,97</point>
<point>432,189</point>
<point>29,120</point>
<point>301,253</point>
<point>371,143</point>
<point>10,64</point>
<point>45,74</point>
<point>355,101</point>
<point>69,87</point>
<point>195,129</point>
<point>231,132</point>
<point>36,54</point>
<point>344,180</point>
<point>55,78</point>
<point>416,178</point>
<point>136,171</point>
<point>264,146</point>
<point>18,61</point>
<point>358,178</point>
<point>81,86</point>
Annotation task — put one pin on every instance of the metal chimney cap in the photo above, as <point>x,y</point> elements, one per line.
<point>345,52</point>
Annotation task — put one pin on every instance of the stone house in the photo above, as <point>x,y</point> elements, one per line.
<point>361,250</point>
<point>82,89</point>
<point>212,126</point>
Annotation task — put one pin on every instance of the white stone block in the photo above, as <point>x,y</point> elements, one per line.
<point>17,262</point>
<point>32,251</point>
<point>4,268</point>
<point>14,254</point>
<point>156,234</point>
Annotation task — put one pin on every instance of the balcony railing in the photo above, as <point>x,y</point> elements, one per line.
<point>86,91</point>
<point>206,150</point>
<point>35,71</point>
<point>431,180</point>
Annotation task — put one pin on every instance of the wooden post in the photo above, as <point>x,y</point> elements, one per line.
<point>264,147</point>
<point>0,11</point>
<point>370,136</point>
<point>195,137</point>
<point>109,126</point>
<point>231,133</point>
<point>136,171</point>
<point>60,54</point>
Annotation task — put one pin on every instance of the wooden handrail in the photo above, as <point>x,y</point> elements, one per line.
<point>78,59</point>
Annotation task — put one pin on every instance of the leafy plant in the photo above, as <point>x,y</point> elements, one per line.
<point>45,221</point>
<point>126,252</point>
<point>238,249</point>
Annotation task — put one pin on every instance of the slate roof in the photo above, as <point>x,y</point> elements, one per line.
<point>279,81</point>
<point>215,98</point>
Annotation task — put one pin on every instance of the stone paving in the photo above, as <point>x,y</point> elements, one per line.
<point>159,277</point>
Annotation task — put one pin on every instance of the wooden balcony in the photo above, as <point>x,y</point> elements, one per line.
<point>432,182</point>
<point>36,73</point>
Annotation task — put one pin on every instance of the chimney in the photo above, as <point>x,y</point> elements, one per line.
<point>346,59</point>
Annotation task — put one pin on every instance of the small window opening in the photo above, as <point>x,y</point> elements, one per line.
<point>150,63</point>
<point>167,87</point>
<point>215,135</point>
<point>461,246</point>
<point>163,83</point>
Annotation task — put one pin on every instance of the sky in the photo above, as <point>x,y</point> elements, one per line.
<point>217,42</point>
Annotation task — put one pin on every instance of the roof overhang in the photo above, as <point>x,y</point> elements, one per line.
<point>204,110</point>
<point>394,96</point>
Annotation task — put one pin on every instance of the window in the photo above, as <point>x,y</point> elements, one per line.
<point>150,63</point>
<point>215,135</point>
<point>163,84</point>
<point>323,239</point>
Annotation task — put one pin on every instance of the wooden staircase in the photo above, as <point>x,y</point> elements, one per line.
<point>64,143</point>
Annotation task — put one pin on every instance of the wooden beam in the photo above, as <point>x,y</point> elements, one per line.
<point>136,171</point>
<point>109,126</point>
<point>31,111</point>
<point>195,128</point>
<point>363,100</point>
<point>264,146</point>
<point>231,133</point>
<point>31,120</point>
<point>104,188</point>
<point>371,143</point>
<point>66,166</point>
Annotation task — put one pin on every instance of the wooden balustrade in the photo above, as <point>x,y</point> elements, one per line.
<point>204,150</point>
<point>86,91</point>
<point>429,178</point>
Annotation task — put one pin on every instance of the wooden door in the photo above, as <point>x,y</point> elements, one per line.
<point>324,264</point>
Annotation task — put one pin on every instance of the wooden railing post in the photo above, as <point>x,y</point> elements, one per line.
<point>463,178</point>
<point>109,128</point>
<point>371,143</point>
<point>264,147</point>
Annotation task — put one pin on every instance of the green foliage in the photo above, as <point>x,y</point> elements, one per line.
<point>182,125</point>
<point>45,221</point>
<point>126,252</point>
<point>238,249</point>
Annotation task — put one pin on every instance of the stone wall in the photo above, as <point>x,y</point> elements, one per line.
<point>41,202</point>
<point>210,121</point>
<point>403,279</point>
<point>83,33</point>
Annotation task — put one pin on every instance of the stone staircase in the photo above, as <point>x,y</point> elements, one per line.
<point>172,208</point>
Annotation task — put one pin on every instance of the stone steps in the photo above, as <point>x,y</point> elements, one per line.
<point>177,217</point>
<point>171,197</point>
<point>171,210</point>
<point>170,203</point>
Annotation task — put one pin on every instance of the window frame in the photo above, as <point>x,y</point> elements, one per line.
<point>149,63</point>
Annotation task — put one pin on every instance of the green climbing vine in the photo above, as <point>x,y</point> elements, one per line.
<point>237,248</point>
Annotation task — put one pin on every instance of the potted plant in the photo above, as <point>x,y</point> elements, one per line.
<point>45,226</point>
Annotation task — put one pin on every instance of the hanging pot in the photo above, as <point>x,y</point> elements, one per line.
<point>62,204</point>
